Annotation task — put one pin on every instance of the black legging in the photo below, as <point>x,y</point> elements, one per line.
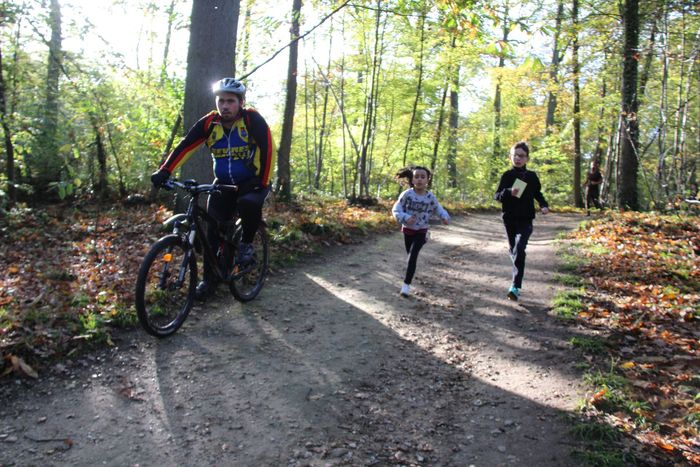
<point>222,206</point>
<point>413,245</point>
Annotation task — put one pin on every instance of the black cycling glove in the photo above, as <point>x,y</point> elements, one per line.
<point>159,177</point>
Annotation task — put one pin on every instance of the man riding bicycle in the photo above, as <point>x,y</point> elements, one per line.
<point>241,148</point>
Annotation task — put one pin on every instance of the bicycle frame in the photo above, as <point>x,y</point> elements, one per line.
<point>192,226</point>
<point>163,297</point>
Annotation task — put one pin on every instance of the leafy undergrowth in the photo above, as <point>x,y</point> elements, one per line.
<point>67,272</point>
<point>644,295</point>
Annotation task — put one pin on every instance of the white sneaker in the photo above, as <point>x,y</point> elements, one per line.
<point>405,290</point>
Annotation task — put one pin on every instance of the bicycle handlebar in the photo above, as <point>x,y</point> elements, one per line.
<point>191,186</point>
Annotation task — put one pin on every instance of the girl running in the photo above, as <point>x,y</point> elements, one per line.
<point>413,210</point>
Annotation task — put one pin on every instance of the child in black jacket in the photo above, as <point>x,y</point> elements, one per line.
<point>517,191</point>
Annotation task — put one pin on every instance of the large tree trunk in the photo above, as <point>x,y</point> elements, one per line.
<point>7,134</point>
<point>212,22</point>
<point>284,189</point>
<point>627,183</point>
<point>553,84</point>
<point>577,108</point>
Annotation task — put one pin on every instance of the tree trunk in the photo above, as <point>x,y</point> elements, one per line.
<point>600,139</point>
<point>101,185</point>
<point>48,166</point>
<point>663,110</point>
<point>648,60</point>
<point>577,107</point>
<point>340,105</point>
<point>324,117</point>
<point>212,22</point>
<point>685,169</point>
<point>627,183</point>
<point>166,48</point>
<point>245,39</point>
<point>306,127</point>
<point>497,150</point>
<point>438,126</point>
<point>284,189</point>
<point>9,147</point>
<point>677,153</point>
<point>454,125</point>
<point>611,159</point>
<point>173,134</point>
<point>314,132</point>
<point>419,89</point>
<point>553,84</point>
<point>368,129</point>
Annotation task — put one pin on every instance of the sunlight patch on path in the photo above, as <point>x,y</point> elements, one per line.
<point>446,346</point>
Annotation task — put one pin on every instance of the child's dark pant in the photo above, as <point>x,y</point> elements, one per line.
<point>413,245</point>
<point>518,233</point>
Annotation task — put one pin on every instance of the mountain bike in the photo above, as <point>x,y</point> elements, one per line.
<point>167,278</point>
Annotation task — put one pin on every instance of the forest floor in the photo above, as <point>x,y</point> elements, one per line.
<point>330,366</point>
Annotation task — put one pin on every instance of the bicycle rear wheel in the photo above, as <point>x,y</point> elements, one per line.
<point>248,279</point>
<point>165,287</point>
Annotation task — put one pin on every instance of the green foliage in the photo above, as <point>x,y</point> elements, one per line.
<point>569,280</point>
<point>568,303</point>
<point>592,431</point>
<point>588,345</point>
<point>132,111</point>
<point>599,454</point>
<point>572,260</point>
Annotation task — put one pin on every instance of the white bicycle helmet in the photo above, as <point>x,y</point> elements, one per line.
<point>229,85</point>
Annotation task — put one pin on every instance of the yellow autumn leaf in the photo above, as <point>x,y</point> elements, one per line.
<point>627,365</point>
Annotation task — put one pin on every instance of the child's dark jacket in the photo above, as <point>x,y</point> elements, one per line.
<point>523,208</point>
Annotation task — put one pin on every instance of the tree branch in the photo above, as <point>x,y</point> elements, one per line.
<point>343,5</point>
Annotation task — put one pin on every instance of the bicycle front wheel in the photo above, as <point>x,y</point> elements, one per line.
<point>248,279</point>
<point>165,287</point>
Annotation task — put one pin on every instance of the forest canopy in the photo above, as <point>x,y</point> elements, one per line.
<point>380,85</point>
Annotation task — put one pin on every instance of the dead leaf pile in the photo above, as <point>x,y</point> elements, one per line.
<point>67,272</point>
<point>644,272</point>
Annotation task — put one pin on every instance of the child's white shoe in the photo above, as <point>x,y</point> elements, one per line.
<point>405,290</point>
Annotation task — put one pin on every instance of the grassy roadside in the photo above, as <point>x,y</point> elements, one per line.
<point>634,284</point>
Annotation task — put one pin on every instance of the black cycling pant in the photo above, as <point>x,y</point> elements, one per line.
<point>222,207</point>
<point>413,243</point>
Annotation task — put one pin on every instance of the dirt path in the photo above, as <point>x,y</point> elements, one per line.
<point>329,366</point>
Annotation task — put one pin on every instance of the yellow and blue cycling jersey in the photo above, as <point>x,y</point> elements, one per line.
<point>238,155</point>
